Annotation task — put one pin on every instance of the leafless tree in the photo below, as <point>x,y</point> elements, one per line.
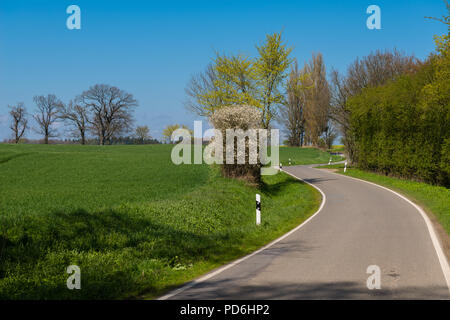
<point>373,70</point>
<point>46,114</point>
<point>317,99</point>
<point>197,89</point>
<point>329,134</point>
<point>291,112</point>
<point>19,122</point>
<point>445,19</point>
<point>111,110</point>
<point>77,116</point>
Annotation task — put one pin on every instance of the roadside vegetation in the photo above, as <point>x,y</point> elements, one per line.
<point>134,223</point>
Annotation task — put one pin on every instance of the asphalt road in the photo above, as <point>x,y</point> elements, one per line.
<point>360,225</point>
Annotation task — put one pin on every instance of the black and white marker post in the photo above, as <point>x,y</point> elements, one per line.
<point>258,209</point>
<point>345,167</point>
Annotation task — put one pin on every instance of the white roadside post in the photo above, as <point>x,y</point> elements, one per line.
<point>345,167</point>
<point>329,162</point>
<point>258,209</point>
<point>289,161</point>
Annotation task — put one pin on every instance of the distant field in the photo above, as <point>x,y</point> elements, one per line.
<point>338,148</point>
<point>435,199</point>
<point>131,220</point>
<point>304,156</point>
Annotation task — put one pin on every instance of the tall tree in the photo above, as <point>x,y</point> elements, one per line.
<point>236,80</point>
<point>317,99</point>
<point>199,89</point>
<point>270,68</point>
<point>142,132</point>
<point>77,116</point>
<point>111,110</point>
<point>169,130</point>
<point>19,121</point>
<point>47,114</point>
<point>291,112</point>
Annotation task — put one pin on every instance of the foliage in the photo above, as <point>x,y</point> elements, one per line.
<point>237,79</point>
<point>403,127</point>
<point>170,129</point>
<point>270,67</point>
<point>241,117</point>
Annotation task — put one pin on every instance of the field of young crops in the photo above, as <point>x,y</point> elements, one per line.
<point>135,224</point>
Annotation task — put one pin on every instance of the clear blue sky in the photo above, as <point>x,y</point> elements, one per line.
<point>151,48</point>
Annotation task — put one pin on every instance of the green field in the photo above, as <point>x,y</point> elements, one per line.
<point>305,156</point>
<point>434,199</point>
<point>134,223</point>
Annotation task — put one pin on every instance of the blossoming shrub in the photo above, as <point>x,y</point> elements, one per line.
<point>237,117</point>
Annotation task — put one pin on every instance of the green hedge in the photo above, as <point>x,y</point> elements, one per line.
<point>403,127</point>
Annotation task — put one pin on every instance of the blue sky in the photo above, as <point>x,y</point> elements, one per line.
<point>151,48</point>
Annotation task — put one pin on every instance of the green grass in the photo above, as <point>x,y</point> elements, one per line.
<point>434,199</point>
<point>305,156</point>
<point>134,223</point>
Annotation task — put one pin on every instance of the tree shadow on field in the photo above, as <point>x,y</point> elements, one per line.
<point>237,288</point>
<point>7,158</point>
<point>109,247</point>
<point>279,187</point>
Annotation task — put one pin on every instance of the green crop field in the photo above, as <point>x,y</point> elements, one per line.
<point>305,156</point>
<point>136,224</point>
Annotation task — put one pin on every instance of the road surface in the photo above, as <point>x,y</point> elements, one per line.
<point>359,225</point>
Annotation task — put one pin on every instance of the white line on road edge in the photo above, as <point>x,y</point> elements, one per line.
<point>434,239</point>
<point>232,264</point>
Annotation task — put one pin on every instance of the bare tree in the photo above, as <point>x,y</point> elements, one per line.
<point>143,132</point>
<point>330,134</point>
<point>111,110</point>
<point>77,116</point>
<point>373,70</point>
<point>47,114</point>
<point>198,90</point>
<point>445,19</point>
<point>19,123</point>
<point>291,112</point>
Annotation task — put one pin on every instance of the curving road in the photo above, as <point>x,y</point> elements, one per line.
<point>327,257</point>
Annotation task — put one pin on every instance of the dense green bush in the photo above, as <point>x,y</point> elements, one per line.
<point>403,128</point>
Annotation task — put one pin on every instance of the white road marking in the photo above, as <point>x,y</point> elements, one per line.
<point>232,264</point>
